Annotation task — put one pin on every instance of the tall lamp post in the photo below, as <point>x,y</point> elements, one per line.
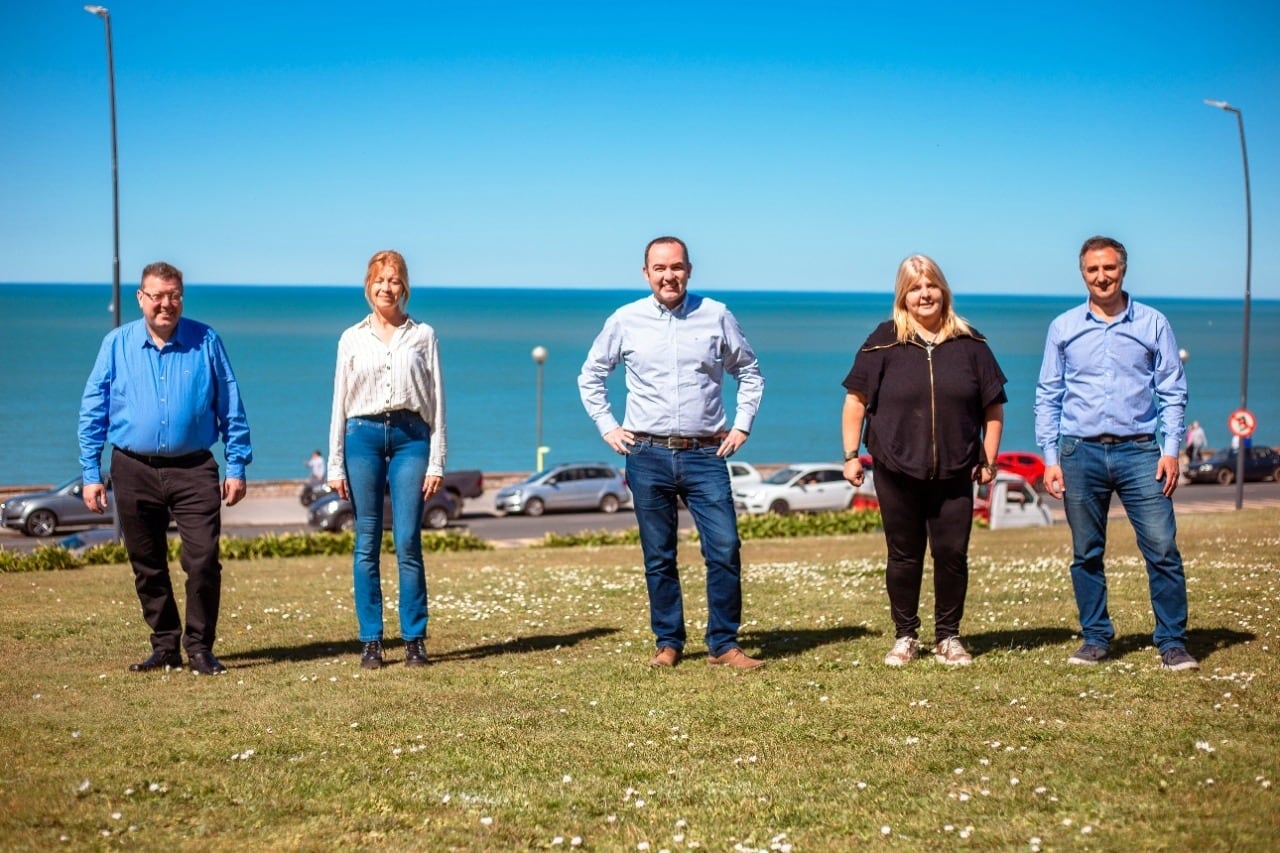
<point>1248,274</point>
<point>105,15</point>
<point>539,355</point>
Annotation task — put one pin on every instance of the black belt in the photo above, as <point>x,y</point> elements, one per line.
<point>680,442</point>
<point>1108,438</point>
<point>156,461</point>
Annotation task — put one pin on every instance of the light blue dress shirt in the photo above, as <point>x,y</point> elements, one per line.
<point>167,401</point>
<point>675,363</point>
<point>1119,378</point>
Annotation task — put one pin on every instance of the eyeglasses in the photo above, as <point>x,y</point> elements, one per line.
<point>157,298</point>
<point>393,282</point>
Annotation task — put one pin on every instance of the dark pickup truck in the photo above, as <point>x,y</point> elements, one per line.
<point>459,485</point>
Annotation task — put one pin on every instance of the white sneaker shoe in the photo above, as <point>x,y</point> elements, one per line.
<point>903,652</point>
<point>952,653</point>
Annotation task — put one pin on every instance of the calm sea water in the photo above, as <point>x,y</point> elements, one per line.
<point>283,340</point>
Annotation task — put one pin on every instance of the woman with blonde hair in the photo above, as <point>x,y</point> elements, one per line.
<point>928,396</point>
<point>387,431</point>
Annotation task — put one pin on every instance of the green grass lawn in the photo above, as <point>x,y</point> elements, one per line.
<point>538,724</point>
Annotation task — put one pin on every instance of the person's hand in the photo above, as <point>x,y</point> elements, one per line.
<point>853,471</point>
<point>620,440</point>
<point>1167,470</point>
<point>233,490</point>
<point>340,486</point>
<point>1053,480</point>
<point>94,496</point>
<point>982,475</point>
<point>431,485</point>
<point>734,439</point>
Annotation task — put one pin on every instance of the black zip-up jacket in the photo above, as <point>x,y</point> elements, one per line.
<point>925,403</point>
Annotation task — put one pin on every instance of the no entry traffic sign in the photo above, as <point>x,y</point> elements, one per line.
<point>1242,423</point>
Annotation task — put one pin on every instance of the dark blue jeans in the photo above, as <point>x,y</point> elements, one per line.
<point>381,451</point>
<point>1092,472</point>
<point>658,477</point>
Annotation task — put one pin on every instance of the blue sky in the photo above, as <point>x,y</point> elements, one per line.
<point>800,146</point>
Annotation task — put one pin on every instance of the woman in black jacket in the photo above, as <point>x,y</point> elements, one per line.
<point>928,395</point>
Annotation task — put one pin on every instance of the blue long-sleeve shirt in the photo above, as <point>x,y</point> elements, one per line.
<point>167,401</point>
<point>1119,378</point>
<point>675,364</point>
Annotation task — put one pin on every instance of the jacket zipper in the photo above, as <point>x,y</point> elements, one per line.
<point>933,416</point>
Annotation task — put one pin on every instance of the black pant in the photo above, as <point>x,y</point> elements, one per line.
<point>147,495</point>
<point>941,512</point>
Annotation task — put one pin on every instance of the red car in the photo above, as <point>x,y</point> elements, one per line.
<point>1028,466</point>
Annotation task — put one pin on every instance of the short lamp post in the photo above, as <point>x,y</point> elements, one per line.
<point>1248,273</point>
<point>539,355</point>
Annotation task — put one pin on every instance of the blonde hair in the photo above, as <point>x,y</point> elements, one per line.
<point>912,271</point>
<point>376,263</point>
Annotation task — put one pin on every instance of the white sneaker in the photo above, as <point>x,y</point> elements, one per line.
<point>952,653</point>
<point>903,652</point>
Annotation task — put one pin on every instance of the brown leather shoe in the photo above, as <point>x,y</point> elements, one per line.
<point>735,658</point>
<point>666,656</point>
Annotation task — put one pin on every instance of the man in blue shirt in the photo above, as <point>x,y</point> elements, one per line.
<point>676,349</point>
<point>161,394</point>
<point>1109,416</point>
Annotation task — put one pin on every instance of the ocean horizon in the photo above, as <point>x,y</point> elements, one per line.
<point>282,341</point>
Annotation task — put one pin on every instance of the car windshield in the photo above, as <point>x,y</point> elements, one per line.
<point>73,481</point>
<point>784,476</point>
<point>535,476</point>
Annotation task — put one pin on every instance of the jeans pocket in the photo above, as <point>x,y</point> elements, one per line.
<point>1067,445</point>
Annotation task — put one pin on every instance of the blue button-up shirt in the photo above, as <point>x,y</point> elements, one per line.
<point>163,401</point>
<point>675,363</point>
<point>1119,378</point>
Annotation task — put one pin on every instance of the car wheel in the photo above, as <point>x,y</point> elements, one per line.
<point>347,522</point>
<point>780,507</point>
<point>1275,476</point>
<point>42,522</point>
<point>609,503</point>
<point>457,503</point>
<point>437,518</point>
<point>1226,476</point>
<point>534,507</point>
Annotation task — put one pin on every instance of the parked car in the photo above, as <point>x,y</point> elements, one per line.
<point>743,474</point>
<point>1262,463</point>
<point>1028,466</point>
<point>333,513</point>
<point>811,487</point>
<point>1010,501</point>
<point>43,513</point>
<point>459,484</point>
<point>575,486</point>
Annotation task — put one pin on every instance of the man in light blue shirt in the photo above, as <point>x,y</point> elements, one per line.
<point>1109,417</point>
<point>161,393</point>
<point>676,349</point>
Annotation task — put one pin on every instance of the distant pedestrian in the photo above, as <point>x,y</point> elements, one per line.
<point>676,349</point>
<point>161,393</point>
<point>1109,415</point>
<point>931,397</point>
<point>387,430</point>
<point>315,467</point>
<point>1197,441</point>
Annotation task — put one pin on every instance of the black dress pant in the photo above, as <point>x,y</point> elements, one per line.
<point>148,493</point>
<point>913,512</point>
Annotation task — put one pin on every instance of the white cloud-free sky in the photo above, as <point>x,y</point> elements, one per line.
<point>795,146</point>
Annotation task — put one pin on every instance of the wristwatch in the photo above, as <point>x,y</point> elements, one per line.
<point>991,469</point>
<point>852,454</point>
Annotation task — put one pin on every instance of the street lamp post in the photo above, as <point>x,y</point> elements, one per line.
<point>1248,274</point>
<point>103,13</point>
<point>539,355</point>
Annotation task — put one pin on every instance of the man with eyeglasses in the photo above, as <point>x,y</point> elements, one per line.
<point>161,393</point>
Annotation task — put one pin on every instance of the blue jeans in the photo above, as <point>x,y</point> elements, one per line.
<point>657,477</point>
<point>388,450</point>
<point>1091,472</point>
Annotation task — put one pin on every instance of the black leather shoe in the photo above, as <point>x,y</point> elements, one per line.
<point>204,663</point>
<point>415,653</point>
<point>158,661</point>
<point>371,655</point>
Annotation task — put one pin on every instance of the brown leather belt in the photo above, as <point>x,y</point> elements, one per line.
<point>680,442</point>
<point>1107,438</point>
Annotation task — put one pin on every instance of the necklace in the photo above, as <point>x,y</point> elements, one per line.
<point>932,339</point>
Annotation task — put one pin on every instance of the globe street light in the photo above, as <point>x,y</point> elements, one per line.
<point>539,356</point>
<point>105,15</point>
<point>1248,272</point>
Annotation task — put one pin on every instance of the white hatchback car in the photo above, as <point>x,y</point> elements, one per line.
<point>813,487</point>
<point>743,474</point>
